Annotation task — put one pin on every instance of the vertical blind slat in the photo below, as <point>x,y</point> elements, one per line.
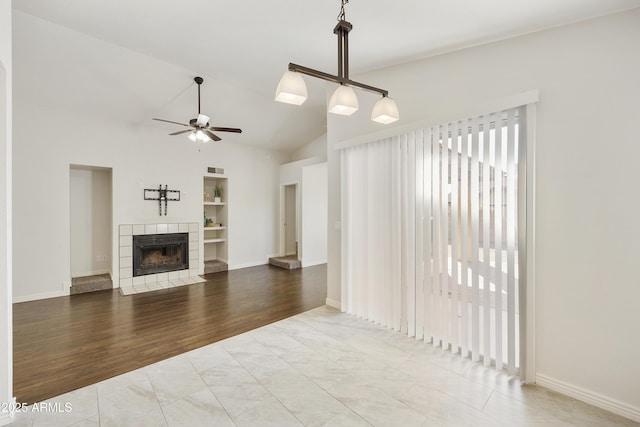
<point>498,189</point>
<point>486,239</point>
<point>464,236</point>
<point>444,237</point>
<point>437,266</point>
<point>455,335</point>
<point>475,230</point>
<point>419,212</point>
<point>427,238</point>
<point>511,240</point>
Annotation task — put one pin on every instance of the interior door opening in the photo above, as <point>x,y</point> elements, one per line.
<point>91,227</point>
<point>290,221</point>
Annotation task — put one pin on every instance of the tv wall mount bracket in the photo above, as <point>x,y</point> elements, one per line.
<point>163,196</point>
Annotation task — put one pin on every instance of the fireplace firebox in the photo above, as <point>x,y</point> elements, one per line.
<point>159,253</point>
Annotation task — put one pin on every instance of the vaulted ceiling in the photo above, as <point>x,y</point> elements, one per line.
<point>242,48</point>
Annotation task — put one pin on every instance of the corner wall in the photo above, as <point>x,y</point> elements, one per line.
<point>587,236</point>
<point>316,148</point>
<point>6,335</point>
<point>314,215</point>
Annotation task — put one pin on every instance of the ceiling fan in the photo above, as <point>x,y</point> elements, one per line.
<point>199,127</point>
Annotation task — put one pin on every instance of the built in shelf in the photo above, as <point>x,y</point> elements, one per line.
<point>215,203</point>
<point>214,228</point>
<point>214,240</point>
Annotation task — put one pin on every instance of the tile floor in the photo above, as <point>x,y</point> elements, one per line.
<point>320,368</point>
<point>137,289</point>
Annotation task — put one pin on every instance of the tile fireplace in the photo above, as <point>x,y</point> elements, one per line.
<point>152,254</point>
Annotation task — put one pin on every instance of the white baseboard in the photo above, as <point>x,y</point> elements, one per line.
<point>333,303</point>
<point>247,265</point>
<point>312,263</point>
<point>590,397</point>
<point>44,295</point>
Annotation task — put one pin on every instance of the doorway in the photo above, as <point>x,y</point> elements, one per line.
<point>290,224</point>
<point>90,189</point>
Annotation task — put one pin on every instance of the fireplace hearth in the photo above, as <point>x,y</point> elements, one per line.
<point>159,253</point>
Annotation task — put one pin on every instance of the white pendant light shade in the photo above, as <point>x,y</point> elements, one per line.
<point>385,111</point>
<point>192,136</point>
<point>202,120</point>
<point>291,89</point>
<point>343,101</point>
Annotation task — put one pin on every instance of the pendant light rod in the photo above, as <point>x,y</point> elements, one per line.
<point>335,79</point>
<point>342,31</point>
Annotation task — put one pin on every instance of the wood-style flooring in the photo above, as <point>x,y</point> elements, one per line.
<point>61,344</point>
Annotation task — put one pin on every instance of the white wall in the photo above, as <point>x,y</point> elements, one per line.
<point>6,336</point>
<point>587,236</point>
<point>151,159</point>
<point>90,218</point>
<point>314,215</point>
<point>139,151</point>
<point>315,148</point>
<point>291,173</point>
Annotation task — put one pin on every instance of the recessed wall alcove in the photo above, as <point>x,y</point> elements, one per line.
<point>90,217</point>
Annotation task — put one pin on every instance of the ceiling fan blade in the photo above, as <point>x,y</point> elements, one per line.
<point>169,121</point>
<point>181,131</point>
<point>234,130</point>
<point>212,135</point>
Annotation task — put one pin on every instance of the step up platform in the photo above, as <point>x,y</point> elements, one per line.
<point>215,266</point>
<point>99,282</point>
<point>288,262</point>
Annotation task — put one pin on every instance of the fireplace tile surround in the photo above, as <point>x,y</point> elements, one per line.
<point>131,285</point>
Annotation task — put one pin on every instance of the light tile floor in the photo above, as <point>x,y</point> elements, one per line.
<point>320,368</point>
<point>173,283</point>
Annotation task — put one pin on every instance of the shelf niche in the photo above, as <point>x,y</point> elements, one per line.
<point>215,230</point>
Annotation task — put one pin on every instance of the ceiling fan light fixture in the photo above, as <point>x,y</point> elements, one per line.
<point>343,101</point>
<point>291,89</point>
<point>202,120</point>
<point>201,136</point>
<point>385,111</point>
<point>198,128</point>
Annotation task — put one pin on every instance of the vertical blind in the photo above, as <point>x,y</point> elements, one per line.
<point>430,239</point>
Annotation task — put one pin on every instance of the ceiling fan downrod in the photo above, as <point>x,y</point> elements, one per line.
<point>199,81</point>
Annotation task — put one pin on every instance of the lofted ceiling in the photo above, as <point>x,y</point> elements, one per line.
<point>242,48</point>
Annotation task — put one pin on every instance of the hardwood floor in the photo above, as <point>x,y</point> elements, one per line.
<point>61,344</point>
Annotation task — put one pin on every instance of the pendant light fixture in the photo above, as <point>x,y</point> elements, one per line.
<point>292,89</point>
